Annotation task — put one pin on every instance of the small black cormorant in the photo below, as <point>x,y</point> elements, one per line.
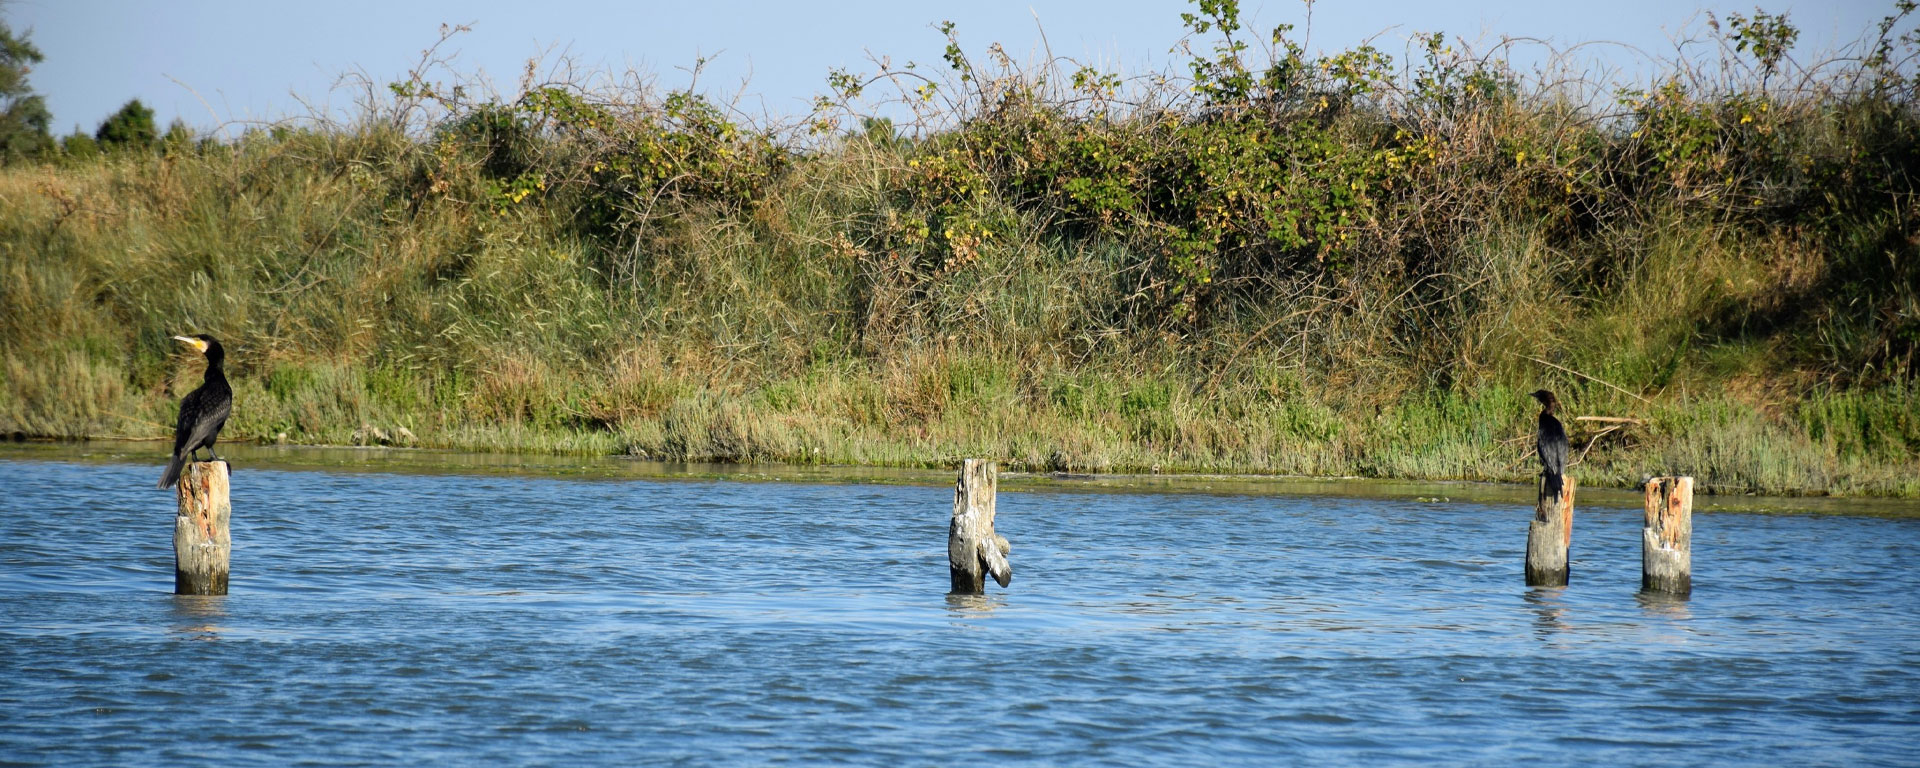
<point>1552,443</point>
<point>204,410</point>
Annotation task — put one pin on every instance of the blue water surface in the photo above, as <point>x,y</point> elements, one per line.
<point>406,619</point>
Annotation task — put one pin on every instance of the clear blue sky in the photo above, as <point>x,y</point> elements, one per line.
<point>250,59</point>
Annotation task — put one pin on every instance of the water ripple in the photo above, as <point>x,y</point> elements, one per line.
<point>443,619</point>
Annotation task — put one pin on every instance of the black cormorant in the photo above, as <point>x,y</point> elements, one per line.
<point>203,412</point>
<point>1552,444</point>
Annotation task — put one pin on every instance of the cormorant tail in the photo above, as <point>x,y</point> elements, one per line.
<point>173,471</point>
<point>1554,483</point>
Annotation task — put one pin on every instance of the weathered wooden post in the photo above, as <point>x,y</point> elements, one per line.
<point>1666,543</point>
<point>1550,536</point>
<point>201,543</point>
<point>973,549</point>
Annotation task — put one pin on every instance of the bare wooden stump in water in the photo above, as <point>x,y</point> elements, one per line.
<point>201,543</point>
<point>973,549</point>
<point>1550,536</point>
<point>1666,543</point>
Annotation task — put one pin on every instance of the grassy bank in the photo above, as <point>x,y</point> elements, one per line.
<point>1326,265</point>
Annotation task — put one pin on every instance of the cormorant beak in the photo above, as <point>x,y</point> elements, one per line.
<point>198,345</point>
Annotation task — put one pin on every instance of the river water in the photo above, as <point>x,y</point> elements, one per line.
<point>529,618</point>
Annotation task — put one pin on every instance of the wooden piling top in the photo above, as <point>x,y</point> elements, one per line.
<point>202,542</point>
<point>974,549</point>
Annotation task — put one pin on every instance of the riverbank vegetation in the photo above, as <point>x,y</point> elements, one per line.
<point>1263,260</point>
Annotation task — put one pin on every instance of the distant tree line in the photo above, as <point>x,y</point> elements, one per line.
<point>25,120</point>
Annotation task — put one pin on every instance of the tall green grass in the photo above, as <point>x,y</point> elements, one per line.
<point>1353,269</point>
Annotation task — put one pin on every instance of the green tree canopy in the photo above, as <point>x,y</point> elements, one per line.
<point>23,114</point>
<point>79,144</point>
<point>130,128</point>
<point>179,138</point>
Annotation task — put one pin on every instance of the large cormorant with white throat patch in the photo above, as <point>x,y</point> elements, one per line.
<point>204,410</point>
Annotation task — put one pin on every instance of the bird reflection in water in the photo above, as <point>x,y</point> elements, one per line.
<point>1663,605</point>
<point>197,617</point>
<point>975,606</point>
<point>1547,609</point>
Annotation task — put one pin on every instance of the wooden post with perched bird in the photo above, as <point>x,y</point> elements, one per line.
<point>1666,541</point>
<point>974,550</point>
<point>202,544</point>
<point>1550,535</point>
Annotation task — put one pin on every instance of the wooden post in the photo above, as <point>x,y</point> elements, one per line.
<point>1666,543</point>
<point>973,549</point>
<point>1550,536</point>
<point>201,543</point>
